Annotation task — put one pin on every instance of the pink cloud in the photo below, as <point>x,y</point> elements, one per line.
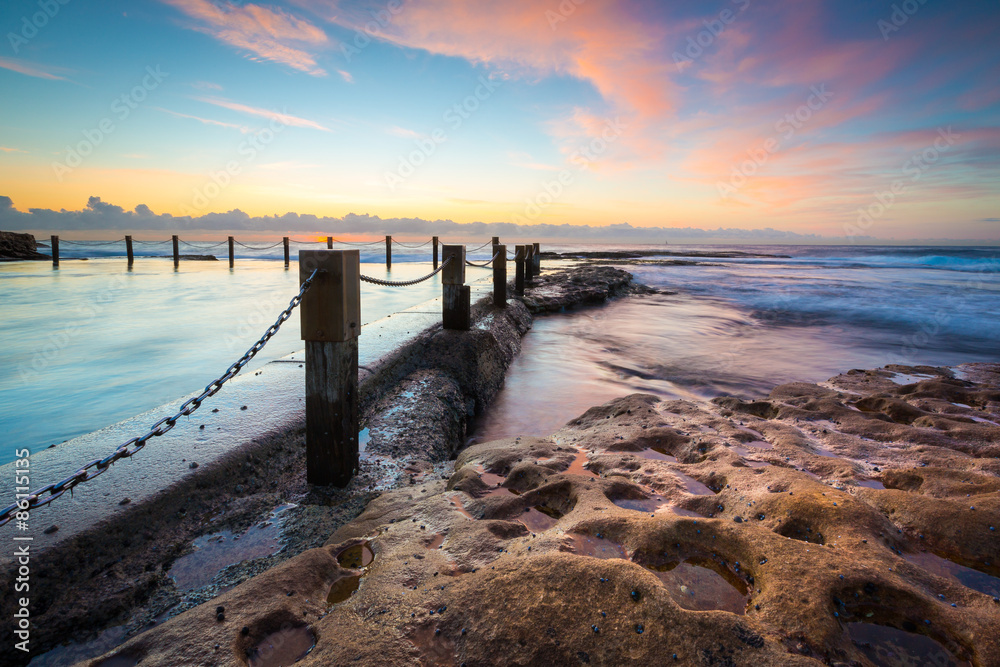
<point>29,69</point>
<point>270,34</point>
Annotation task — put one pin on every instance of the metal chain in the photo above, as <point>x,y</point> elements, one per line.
<point>404,283</point>
<point>98,467</point>
<point>92,243</point>
<point>202,247</point>
<point>250,247</point>
<point>484,264</point>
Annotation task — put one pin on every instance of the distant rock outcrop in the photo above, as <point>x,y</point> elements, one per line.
<point>19,246</point>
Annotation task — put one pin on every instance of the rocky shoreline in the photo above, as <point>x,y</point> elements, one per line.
<point>416,402</point>
<point>834,523</point>
<point>19,247</point>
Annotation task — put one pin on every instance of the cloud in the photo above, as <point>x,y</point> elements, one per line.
<point>285,118</point>
<point>610,45</point>
<point>271,34</point>
<point>207,121</point>
<point>346,76</point>
<point>402,132</point>
<point>29,69</point>
<point>989,220</point>
<point>101,215</point>
<point>5,149</point>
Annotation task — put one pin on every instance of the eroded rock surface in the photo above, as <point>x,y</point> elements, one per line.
<point>841,523</point>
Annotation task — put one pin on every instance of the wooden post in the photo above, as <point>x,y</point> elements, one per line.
<point>128,251</point>
<point>434,242</point>
<point>329,245</point>
<point>55,250</point>
<point>177,252</point>
<point>284,241</point>
<point>388,252</point>
<point>536,259</point>
<point>500,276</point>
<point>456,308</point>
<point>232,254</point>
<point>528,254</point>
<point>519,269</point>
<point>330,323</point>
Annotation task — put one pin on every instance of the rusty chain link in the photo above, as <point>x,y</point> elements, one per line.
<point>98,467</point>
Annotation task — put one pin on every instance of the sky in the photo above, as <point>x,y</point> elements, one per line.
<point>783,120</point>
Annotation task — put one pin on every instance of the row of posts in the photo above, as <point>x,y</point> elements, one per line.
<point>175,242</point>
<point>530,252</point>
<point>330,315</point>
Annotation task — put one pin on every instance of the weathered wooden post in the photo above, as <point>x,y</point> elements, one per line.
<point>330,323</point>
<point>519,269</point>
<point>177,252</point>
<point>329,243</point>
<point>55,250</point>
<point>284,242</point>
<point>128,251</point>
<point>456,294</point>
<point>434,242</point>
<point>232,253</point>
<point>536,259</point>
<point>528,254</point>
<point>388,252</point>
<point>495,241</point>
<point>500,276</point>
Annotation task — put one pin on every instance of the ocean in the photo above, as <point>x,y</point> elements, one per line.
<point>743,325</point>
<point>90,344</point>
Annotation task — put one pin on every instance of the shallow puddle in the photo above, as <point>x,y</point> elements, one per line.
<point>647,505</point>
<point>759,444</point>
<point>595,547</point>
<point>889,647</point>
<point>693,486</point>
<point>343,588</point>
<point>942,567</point>
<point>656,454</point>
<point>283,648</point>
<point>577,466</point>
<point>212,553</point>
<point>826,453</point>
<point>703,585</point>
<point>538,519</point>
<point>356,557</point>
<point>902,378</point>
<point>871,483</point>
